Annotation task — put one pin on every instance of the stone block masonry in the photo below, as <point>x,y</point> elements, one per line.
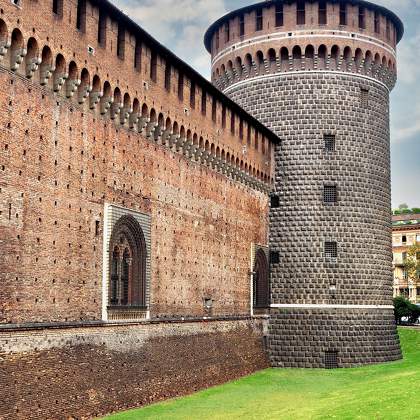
<point>305,109</point>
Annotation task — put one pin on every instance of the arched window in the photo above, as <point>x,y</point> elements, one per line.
<point>127,264</point>
<point>261,286</point>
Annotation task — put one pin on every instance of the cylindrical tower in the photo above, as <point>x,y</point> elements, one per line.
<point>319,73</point>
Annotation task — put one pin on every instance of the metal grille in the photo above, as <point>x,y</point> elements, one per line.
<point>329,141</point>
<point>331,359</point>
<point>364,97</point>
<point>330,249</point>
<point>330,193</point>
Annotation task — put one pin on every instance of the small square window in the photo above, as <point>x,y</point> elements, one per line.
<point>331,359</point>
<point>274,201</point>
<point>274,257</point>
<point>330,249</point>
<point>329,142</point>
<point>364,97</point>
<point>330,193</point>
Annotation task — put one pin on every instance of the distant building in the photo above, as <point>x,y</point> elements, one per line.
<point>405,233</point>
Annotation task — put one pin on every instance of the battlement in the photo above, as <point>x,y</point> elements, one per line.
<point>93,55</point>
<point>276,37</point>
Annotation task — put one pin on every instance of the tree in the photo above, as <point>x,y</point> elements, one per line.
<point>403,206</point>
<point>403,308</point>
<point>412,262</point>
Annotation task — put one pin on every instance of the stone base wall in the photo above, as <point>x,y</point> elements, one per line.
<point>301,337</point>
<point>90,371</point>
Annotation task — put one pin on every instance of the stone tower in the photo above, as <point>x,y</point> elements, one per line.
<point>319,75</point>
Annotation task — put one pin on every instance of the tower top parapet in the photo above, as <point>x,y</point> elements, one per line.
<point>355,15</point>
<point>304,35</point>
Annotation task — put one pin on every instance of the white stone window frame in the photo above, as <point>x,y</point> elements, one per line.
<point>112,213</point>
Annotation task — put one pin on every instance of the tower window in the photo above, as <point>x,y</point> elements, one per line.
<point>217,40</point>
<point>121,41</point>
<point>404,241</point>
<point>329,142</point>
<point>241,25</point>
<point>241,129</point>
<point>343,14</point>
<point>232,123</point>
<point>331,359</point>
<point>259,19</point>
<point>300,13</point>
<point>364,97</point>
<point>81,15</point>
<point>330,249</point>
<point>227,31</point>
<point>322,13</point>
<point>102,28</point>
<point>362,23</point>
<point>274,201</point>
<point>97,227</point>
<point>279,14</point>
<point>58,7</point>
<point>330,193</point>
<point>377,23</point>
<point>388,31</point>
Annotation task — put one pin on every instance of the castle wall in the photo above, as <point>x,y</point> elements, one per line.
<point>61,163</point>
<point>90,371</point>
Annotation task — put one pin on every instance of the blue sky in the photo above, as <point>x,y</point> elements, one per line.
<point>180,25</point>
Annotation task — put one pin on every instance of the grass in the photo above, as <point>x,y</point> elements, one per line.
<point>387,391</point>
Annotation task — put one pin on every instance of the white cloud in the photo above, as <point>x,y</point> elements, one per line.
<point>179,24</point>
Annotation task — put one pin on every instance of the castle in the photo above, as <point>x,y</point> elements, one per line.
<point>159,236</point>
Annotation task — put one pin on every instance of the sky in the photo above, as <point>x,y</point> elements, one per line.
<point>180,25</point>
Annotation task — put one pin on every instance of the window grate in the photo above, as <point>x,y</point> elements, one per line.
<point>364,97</point>
<point>330,193</point>
<point>331,359</point>
<point>329,142</point>
<point>330,249</point>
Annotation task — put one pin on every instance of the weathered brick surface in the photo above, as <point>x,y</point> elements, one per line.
<point>86,372</point>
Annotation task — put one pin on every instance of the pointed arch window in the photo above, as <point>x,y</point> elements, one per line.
<point>128,254</point>
<point>261,284</point>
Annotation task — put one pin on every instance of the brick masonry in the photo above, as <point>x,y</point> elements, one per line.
<point>91,371</point>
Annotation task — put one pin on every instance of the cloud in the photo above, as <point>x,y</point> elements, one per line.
<point>178,24</point>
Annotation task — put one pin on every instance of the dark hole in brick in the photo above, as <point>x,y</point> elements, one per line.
<point>275,201</point>
<point>274,257</point>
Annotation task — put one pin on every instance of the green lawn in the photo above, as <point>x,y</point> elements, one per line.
<point>387,391</point>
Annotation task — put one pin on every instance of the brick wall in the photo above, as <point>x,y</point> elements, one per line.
<point>91,371</point>
<point>60,163</point>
